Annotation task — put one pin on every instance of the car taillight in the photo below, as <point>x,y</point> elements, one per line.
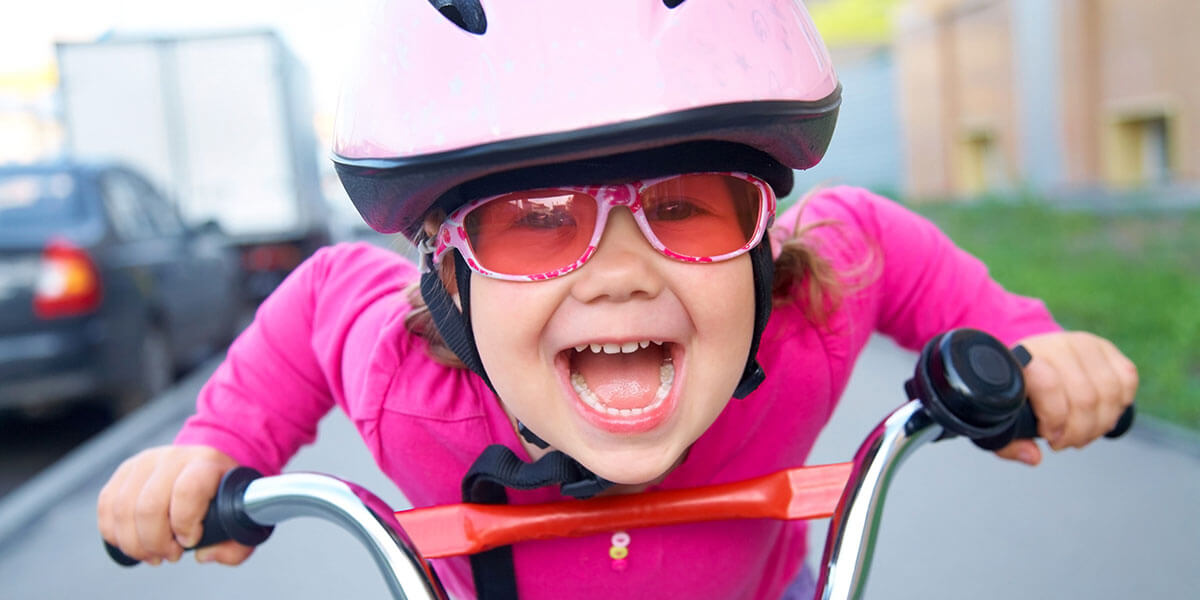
<point>67,284</point>
<point>272,257</point>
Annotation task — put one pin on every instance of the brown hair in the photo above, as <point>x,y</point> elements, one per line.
<point>801,275</point>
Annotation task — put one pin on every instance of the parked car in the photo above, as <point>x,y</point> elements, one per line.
<point>104,293</point>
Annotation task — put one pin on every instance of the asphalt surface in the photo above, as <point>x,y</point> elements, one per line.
<point>1116,520</point>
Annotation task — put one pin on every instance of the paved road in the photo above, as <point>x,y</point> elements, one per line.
<point>1119,520</point>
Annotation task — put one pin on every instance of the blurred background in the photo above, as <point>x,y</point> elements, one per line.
<point>1058,140</point>
<point>164,165</point>
<point>162,168</point>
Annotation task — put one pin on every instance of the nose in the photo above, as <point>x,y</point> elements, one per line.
<point>623,266</point>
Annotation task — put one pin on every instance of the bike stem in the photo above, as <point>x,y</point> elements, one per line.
<point>274,499</point>
<point>852,528</point>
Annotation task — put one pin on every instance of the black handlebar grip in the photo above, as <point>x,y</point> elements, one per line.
<point>226,518</point>
<point>1026,427</point>
<point>119,557</point>
<point>1123,424</point>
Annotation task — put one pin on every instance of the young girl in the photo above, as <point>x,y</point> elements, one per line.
<point>593,193</point>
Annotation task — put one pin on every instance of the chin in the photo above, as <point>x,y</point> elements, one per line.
<point>631,467</point>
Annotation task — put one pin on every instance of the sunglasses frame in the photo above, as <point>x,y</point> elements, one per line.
<point>452,234</point>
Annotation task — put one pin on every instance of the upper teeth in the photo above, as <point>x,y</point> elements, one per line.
<point>610,348</point>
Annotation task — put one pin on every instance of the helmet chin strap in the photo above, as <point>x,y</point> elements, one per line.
<point>762,265</point>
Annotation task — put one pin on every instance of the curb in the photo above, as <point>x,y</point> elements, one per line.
<point>99,454</point>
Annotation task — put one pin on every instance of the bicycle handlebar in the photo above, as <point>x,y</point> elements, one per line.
<point>965,383</point>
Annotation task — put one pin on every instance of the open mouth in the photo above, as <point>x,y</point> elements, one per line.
<point>623,386</point>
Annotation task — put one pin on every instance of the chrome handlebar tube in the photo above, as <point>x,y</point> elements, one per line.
<point>271,500</point>
<point>851,539</point>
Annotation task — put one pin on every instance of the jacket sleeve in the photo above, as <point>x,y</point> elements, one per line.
<point>913,282</point>
<point>307,345</point>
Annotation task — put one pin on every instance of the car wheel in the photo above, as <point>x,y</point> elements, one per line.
<point>155,374</point>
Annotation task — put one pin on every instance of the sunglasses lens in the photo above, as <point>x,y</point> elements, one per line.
<point>702,215</point>
<point>531,233</point>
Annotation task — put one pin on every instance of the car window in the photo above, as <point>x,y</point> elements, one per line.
<point>38,201</point>
<point>162,214</point>
<point>121,199</point>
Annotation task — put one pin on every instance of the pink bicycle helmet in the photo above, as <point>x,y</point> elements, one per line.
<point>450,91</point>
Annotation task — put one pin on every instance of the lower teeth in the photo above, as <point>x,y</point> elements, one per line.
<point>666,376</point>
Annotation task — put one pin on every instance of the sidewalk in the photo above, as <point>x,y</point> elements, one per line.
<point>1118,520</point>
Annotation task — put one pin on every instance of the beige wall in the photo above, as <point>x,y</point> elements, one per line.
<point>925,101</point>
<point>1080,120</point>
<point>955,75</point>
<point>983,137</point>
<point>1147,66</point>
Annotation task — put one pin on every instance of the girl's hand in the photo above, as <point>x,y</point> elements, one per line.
<point>152,506</point>
<point>1078,384</point>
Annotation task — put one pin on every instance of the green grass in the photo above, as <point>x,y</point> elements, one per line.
<point>1133,278</point>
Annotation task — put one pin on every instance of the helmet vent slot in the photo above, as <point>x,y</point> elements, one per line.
<point>672,3</point>
<point>467,14</point>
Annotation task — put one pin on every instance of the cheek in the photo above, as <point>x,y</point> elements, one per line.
<point>724,305</point>
<point>507,319</point>
<point>723,312</point>
<point>502,320</point>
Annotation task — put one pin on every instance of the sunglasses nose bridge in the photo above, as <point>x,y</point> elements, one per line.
<point>624,196</point>
<point>612,197</point>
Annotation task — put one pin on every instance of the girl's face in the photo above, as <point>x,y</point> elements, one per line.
<point>672,341</point>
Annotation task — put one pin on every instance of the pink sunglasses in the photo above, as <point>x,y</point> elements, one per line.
<point>544,233</point>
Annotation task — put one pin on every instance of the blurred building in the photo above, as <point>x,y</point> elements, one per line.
<point>867,147</point>
<point>1059,96</point>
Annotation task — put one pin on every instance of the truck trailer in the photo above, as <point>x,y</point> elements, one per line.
<point>222,123</point>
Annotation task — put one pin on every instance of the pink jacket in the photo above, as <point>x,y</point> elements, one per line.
<point>333,335</point>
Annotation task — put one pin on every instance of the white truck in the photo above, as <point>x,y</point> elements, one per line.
<point>222,123</point>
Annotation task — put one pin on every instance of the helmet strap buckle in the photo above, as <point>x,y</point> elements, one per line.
<point>425,251</point>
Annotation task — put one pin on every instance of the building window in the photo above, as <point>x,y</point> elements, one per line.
<point>981,163</point>
<point>1140,150</point>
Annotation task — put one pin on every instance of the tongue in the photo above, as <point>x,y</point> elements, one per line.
<point>621,380</point>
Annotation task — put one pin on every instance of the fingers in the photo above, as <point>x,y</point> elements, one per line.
<point>1126,373</point>
<point>153,505</point>
<point>1085,388</point>
<point>227,553</point>
<point>150,513</point>
<point>1078,384</point>
<point>1025,451</point>
<point>190,496</point>
<point>1048,396</point>
<point>125,506</point>
<point>107,505</point>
